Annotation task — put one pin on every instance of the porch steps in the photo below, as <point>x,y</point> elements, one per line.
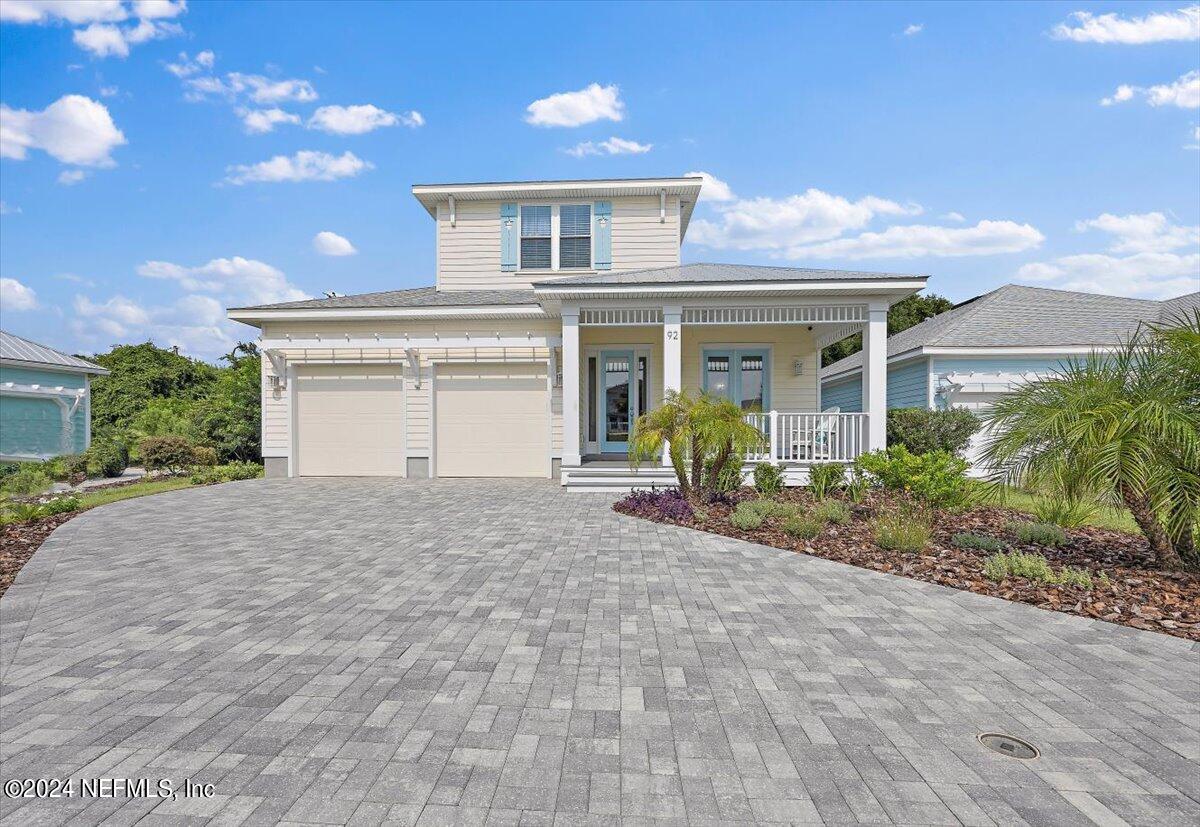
<point>615,477</point>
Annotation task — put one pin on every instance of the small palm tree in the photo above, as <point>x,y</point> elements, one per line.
<point>671,424</point>
<point>719,433</point>
<point>1124,424</point>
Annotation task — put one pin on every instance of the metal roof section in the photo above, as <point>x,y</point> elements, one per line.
<point>15,348</point>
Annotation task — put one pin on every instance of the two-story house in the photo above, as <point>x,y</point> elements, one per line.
<point>561,311</point>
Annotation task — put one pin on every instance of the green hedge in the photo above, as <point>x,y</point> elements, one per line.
<point>922,431</point>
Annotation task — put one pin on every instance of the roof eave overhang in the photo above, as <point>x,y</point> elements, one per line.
<point>95,370</point>
<point>998,351</point>
<point>515,311</point>
<point>893,289</point>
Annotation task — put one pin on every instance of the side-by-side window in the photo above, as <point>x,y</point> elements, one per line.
<point>740,375</point>
<point>535,238</point>
<point>574,236</point>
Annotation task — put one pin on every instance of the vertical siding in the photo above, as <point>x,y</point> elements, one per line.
<point>908,385</point>
<point>468,254</point>
<point>845,394</point>
<point>32,426</point>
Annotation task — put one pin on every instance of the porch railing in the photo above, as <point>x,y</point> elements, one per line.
<point>809,437</point>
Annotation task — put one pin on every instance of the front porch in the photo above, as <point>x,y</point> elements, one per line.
<point>620,357</point>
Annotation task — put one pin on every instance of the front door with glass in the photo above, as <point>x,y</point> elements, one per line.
<point>622,389</point>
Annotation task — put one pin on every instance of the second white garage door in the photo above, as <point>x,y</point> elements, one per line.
<point>350,421</point>
<point>492,420</point>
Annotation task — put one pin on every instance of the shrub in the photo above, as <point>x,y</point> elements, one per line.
<point>981,542</point>
<point>832,511</point>
<point>1072,576</point>
<point>7,469</point>
<point>768,478</point>
<point>937,478</point>
<point>857,484</point>
<point>1039,534</point>
<point>746,516</point>
<point>803,527</point>
<point>242,470</point>
<point>902,529</point>
<point>29,478</point>
<point>22,512</point>
<point>73,464</point>
<point>825,477</point>
<point>170,453</point>
<point>666,504</point>
<point>107,458</point>
<point>1067,512</point>
<point>204,456</point>
<point>1035,567</point>
<point>61,505</point>
<point>923,431</point>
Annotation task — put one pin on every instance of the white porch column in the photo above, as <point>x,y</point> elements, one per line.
<point>672,356</point>
<point>874,375</point>
<point>570,386</point>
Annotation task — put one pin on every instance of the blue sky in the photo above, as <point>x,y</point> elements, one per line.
<point>1048,143</point>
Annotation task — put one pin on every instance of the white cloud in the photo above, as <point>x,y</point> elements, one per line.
<point>109,91</point>
<point>1183,24</point>
<point>65,11</point>
<point>1155,264</point>
<point>355,120</point>
<point>237,280</point>
<point>16,296</point>
<point>9,209</point>
<point>713,188</point>
<point>187,66</point>
<point>913,28</point>
<point>264,90</point>
<point>780,224</point>
<point>73,129</point>
<point>957,217</point>
<point>332,244</point>
<point>261,121</point>
<point>305,165</point>
<point>158,9</point>
<point>1183,92</point>
<point>108,40</point>
<point>920,241</point>
<point>71,177</point>
<point>593,103</point>
<point>613,146</point>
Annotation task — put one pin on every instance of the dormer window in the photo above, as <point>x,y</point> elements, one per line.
<point>535,238</point>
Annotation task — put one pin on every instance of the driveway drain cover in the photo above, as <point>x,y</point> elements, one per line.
<point>1008,745</point>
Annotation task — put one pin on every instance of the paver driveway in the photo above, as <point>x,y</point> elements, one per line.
<point>328,651</point>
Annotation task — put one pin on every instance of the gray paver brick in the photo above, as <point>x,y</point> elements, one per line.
<point>505,652</point>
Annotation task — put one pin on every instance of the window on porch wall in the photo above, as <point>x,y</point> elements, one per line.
<point>740,376</point>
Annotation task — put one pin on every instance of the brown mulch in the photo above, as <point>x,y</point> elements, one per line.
<point>1137,594</point>
<point>18,542</point>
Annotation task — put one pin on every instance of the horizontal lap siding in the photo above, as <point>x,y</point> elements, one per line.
<point>468,254</point>
<point>42,431</point>
<point>787,343</point>
<point>845,394</point>
<point>418,407</point>
<point>908,385</point>
<point>275,415</point>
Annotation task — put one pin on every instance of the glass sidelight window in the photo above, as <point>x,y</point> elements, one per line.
<point>740,375</point>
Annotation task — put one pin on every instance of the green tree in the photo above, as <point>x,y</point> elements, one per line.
<point>229,417</point>
<point>668,424</point>
<point>140,373</point>
<point>902,315</point>
<point>1125,424</point>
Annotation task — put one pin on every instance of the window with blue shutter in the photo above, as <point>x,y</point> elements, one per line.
<point>535,238</point>
<point>602,244</point>
<point>508,236</point>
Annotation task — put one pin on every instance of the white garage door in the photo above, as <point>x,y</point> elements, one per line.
<point>492,420</point>
<point>350,421</point>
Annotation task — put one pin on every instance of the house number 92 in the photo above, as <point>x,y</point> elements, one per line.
<point>672,334</point>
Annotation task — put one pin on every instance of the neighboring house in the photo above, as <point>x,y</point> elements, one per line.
<point>560,312</point>
<point>982,348</point>
<point>45,400</point>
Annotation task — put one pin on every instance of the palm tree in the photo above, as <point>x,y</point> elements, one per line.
<point>719,433</point>
<point>1124,424</point>
<point>670,423</point>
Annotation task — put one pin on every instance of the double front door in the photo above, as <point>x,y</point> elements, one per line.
<point>622,396</point>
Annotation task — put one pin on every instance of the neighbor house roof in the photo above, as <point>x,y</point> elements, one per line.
<point>414,297</point>
<point>687,188</point>
<point>718,273</point>
<point>14,348</point>
<point>1018,316</point>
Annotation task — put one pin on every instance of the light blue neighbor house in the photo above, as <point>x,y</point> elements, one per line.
<point>982,348</point>
<point>45,400</point>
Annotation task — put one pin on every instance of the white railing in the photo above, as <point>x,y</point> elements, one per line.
<point>809,437</point>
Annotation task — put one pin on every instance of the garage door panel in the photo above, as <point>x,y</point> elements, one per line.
<point>492,421</point>
<point>350,421</point>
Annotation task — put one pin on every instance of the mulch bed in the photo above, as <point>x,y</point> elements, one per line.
<point>18,542</point>
<point>1137,595</point>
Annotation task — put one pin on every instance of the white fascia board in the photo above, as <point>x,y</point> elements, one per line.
<point>702,289</point>
<point>407,342</point>
<point>515,311</point>
<point>21,363</point>
<point>483,190</point>
<point>978,352</point>
<point>906,356</point>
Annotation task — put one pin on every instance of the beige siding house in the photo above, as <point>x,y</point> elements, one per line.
<point>560,312</point>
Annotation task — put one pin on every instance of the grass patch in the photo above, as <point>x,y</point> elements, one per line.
<point>1040,534</point>
<point>126,492</point>
<point>902,529</point>
<point>1117,519</point>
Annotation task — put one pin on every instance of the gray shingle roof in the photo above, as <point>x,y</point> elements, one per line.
<point>1172,309</point>
<point>19,349</point>
<point>704,273</point>
<point>415,297</point>
<point>1018,316</point>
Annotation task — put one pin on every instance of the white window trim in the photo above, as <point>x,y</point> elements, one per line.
<point>556,237</point>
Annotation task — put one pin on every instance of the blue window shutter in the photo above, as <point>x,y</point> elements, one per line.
<point>508,236</point>
<point>602,241</point>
